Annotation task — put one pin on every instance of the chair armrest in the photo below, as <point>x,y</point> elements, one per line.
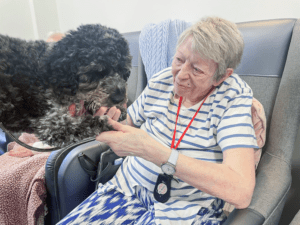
<point>245,217</point>
<point>67,183</point>
<point>269,194</point>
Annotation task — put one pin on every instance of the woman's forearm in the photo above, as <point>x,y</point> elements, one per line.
<point>217,179</point>
<point>220,180</point>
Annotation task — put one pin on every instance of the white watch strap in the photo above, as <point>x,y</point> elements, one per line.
<point>173,157</point>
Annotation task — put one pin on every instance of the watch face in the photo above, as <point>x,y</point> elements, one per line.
<point>168,169</point>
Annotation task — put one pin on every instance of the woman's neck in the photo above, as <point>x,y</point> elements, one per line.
<point>191,102</point>
<point>187,103</point>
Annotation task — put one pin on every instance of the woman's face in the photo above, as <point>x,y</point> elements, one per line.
<point>192,75</point>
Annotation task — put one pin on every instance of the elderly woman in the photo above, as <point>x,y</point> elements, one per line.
<point>189,139</point>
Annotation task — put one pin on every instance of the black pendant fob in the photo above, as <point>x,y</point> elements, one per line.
<point>162,188</point>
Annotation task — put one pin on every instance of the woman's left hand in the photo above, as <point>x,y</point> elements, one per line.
<point>125,140</point>
<point>113,113</point>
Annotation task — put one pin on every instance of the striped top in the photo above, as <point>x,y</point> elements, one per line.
<point>224,122</point>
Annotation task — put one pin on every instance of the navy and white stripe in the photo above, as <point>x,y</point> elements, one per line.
<point>224,122</point>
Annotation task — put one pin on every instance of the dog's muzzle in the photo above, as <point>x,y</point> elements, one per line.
<point>119,95</point>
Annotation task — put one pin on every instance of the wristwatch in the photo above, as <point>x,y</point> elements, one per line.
<point>169,167</point>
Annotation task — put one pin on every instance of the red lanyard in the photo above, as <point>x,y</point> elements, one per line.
<point>178,110</point>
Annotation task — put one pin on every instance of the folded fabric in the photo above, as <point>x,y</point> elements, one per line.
<point>17,150</point>
<point>260,126</point>
<point>22,184</point>
<point>259,122</point>
<point>20,152</point>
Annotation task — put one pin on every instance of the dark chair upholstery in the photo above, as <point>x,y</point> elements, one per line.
<point>4,140</point>
<point>67,183</point>
<point>270,65</point>
<point>296,219</point>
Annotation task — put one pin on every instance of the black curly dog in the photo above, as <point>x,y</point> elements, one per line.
<point>89,67</point>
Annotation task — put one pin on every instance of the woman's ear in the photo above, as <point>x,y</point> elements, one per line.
<point>228,73</point>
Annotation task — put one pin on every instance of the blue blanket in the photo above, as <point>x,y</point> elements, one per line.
<point>158,44</point>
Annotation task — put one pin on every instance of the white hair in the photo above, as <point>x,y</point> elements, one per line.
<point>216,39</point>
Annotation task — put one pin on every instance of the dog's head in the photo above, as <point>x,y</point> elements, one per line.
<point>110,91</point>
<point>90,62</point>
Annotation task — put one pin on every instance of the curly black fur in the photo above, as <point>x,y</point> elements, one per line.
<point>39,81</point>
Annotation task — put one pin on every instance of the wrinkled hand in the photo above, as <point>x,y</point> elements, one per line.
<point>112,113</point>
<point>125,140</point>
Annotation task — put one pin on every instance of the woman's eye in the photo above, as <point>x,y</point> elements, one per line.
<point>179,59</point>
<point>197,70</point>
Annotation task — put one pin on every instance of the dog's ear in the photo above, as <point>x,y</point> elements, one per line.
<point>18,56</point>
<point>93,50</point>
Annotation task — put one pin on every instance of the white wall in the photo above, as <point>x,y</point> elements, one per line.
<point>132,15</point>
<point>16,19</point>
<point>34,19</point>
<point>28,19</point>
<point>46,15</point>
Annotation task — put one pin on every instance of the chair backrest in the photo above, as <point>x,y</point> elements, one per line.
<point>266,47</point>
<point>137,80</point>
<point>270,66</point>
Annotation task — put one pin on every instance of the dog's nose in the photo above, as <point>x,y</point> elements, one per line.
<point>118,95</point>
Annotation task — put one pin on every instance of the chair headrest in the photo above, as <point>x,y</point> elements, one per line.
<point>266,47</point>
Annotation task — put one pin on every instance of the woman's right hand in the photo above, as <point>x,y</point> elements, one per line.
<point>124,140</point>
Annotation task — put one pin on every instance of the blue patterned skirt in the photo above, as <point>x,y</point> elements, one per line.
<point>108,206</point>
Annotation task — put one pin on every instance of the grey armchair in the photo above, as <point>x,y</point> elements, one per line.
<point>271,67</point>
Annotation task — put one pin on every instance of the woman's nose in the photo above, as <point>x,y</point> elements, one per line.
<point>183,72</point>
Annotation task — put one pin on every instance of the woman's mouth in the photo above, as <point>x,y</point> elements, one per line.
<point>181,85</point>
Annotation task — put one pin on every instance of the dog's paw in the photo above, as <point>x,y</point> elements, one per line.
<point>123,115</point>
<point>103,124</point>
